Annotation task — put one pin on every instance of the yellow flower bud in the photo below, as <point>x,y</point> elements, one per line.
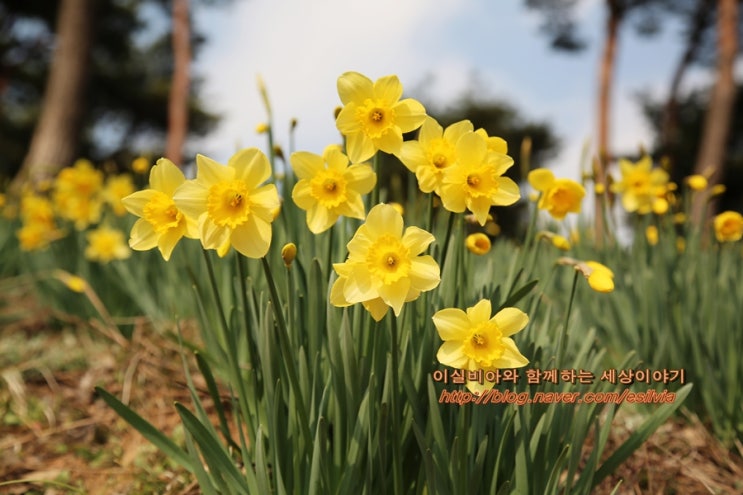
<point>679,218</point>
<point>288,253</point>
<point>680,244</point>
<point>717,189</point>
<point>560,243</point>
<point>261,128</point>
<point>697,182</point>
<point>599,189</point>
<point>140,165</point>
<point>651,234</point>
<point>478,243</point>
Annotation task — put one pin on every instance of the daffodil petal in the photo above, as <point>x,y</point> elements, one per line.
<point>510,321</point>
<point>452,354</point>
<point>452,324</point>
<point>353,86</point>
<point>253,238</point>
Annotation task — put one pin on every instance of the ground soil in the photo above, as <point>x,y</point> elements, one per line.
<point>58,437</point>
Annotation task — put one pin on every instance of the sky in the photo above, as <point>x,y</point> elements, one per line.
<point>438,49</point>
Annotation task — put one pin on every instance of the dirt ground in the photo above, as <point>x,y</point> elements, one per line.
<point>57,437</point>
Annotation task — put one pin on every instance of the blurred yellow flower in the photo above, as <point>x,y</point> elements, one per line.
<point>37,235</point>
<point>728,226</point>
<point>651,234</point>
<point>697,182</point>
<point>643,188</point>
<point>373,116</point>
<point>385,266</point>
<point>140,165</point>
<point>717,189</point>
<point>76,194</point>
<point>478,243</point>
<point>474,340</point>
<point>329,187</point>
<point>161,223</point>
<point>38,227</point>
<point>261,128</point>
<point>559,196</point>
<point>3,200</point>
<point>231,205</point>
<point>117,187</point>
<point>599,189</point>
<point>475,182</point>
<point>288,253</point>
<point>106,244</point>
<point>433,152</point>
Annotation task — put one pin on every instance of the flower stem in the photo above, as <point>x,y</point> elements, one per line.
<point>447,238</point>
<point>396,412</point>
<point>563,339</point>
<point>289,357</point>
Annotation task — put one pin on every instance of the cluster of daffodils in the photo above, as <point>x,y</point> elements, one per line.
<point>224,206</point>
<point>82,197</point>
<point>645,189</point>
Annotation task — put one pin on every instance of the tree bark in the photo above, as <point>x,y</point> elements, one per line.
<point>711,155</point>
<point>606,78</point>
<point>179,91</point>
<point>698,23</point>
<point>57,135</point>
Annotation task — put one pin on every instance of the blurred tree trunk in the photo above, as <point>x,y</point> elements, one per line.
<point>698,23</point>
<point>614,17</point>
<point>57,134</point>
<point>179,91</point>
<point>717,120</point>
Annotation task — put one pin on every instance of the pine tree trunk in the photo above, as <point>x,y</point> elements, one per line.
<point>55,140</point>
<point>179,91</point>
<point>698,22</point>
<point>606,78</point>
<point>717,120</point>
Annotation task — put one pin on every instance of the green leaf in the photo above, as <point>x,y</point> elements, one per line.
<point>213,452</point>
<point>151,433</point>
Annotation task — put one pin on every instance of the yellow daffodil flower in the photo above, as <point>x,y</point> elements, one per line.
<point>643,188</point>
<point>106,244</point>
<point>76,194</point>
<point>728,226</point>
<point>373,117</point>
<point>329,187</point>
<point>559,196</point>
<point>231,205</point>
<point>116,188</point>
<point>478,243</point>
<point>385,266</point>
<point>433,152</point>
<point>474,340</point>
<point>476,181</point>
<point>161,223</point>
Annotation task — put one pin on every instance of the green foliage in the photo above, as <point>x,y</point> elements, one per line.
<point>680,310</point>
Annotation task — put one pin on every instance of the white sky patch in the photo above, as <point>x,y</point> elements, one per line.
<point>436,48</point>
